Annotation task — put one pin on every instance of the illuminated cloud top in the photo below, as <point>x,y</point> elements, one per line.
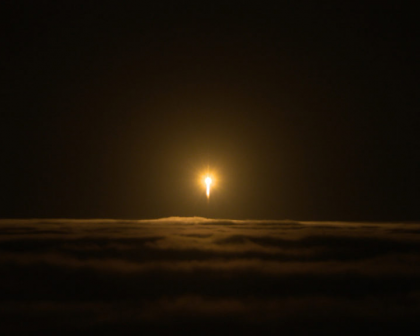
<point>196,274</point>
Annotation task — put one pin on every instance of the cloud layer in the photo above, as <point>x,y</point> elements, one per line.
<point>209,276</point>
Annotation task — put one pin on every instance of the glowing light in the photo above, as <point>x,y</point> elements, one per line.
<point>208,182</point>
<point>209,179</point>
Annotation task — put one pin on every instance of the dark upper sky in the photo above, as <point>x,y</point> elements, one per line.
<point>305,111</point>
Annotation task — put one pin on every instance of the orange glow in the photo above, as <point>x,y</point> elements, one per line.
<point>208,180</point>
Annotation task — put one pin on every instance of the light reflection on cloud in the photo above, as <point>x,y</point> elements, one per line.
<point>248,275</point>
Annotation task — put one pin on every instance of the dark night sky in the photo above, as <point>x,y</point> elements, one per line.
<point>306,111</point>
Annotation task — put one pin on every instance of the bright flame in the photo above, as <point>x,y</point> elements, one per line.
<point>208,182</point>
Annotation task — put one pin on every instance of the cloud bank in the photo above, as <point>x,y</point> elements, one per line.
<point>208,276</point>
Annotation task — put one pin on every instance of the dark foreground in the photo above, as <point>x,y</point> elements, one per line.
<point>206,277</point>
